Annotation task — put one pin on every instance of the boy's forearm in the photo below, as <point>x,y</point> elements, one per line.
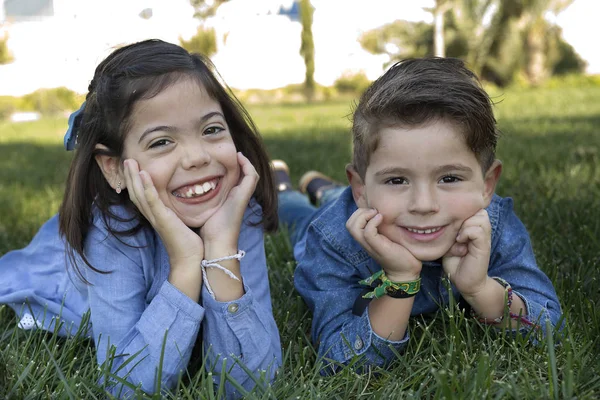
<point>490,302</point>
<point>389,316</point>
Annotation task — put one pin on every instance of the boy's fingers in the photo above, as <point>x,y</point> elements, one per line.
<point>360,218</point>
<point>457,250</point>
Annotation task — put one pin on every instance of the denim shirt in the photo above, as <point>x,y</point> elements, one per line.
<point>136,309</point>
<point>331,263</point>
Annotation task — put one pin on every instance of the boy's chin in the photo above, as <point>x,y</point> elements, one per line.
<point>429,254</point>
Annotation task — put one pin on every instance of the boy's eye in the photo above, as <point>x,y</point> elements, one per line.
<point>450,179</point>
<point>213,130</point>
<point>159,143</point>
<point>396,181</point>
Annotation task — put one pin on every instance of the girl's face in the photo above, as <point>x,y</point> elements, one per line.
<point>180,137</point>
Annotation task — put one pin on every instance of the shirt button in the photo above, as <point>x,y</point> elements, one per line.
<point>358,344</point>
<point>232,308</point>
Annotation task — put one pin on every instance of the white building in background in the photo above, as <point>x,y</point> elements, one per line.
<point>60,42</point>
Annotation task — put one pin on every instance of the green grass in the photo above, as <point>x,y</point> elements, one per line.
<point>550,149</point>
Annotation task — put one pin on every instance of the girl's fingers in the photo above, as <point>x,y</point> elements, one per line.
<point>249,177</point>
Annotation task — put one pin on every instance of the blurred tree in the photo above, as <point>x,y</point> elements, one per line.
<point>206,8</point>
<point>307,48</point>
<point>205,39</point>
<point>203,42</point>
<point>5,54</point>
<point>499,39</point>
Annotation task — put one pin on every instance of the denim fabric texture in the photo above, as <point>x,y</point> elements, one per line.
<point>330,263</point>
<point>136,309</point>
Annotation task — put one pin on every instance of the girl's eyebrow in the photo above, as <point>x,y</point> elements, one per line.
<point>168,128</point>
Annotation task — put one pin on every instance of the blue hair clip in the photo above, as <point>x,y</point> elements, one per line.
<point>72,132</point>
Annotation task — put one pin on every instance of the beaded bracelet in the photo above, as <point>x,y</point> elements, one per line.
<point>509,298</point>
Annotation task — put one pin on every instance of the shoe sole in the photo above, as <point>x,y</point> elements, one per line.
<point>308,177</point>
<point>279,165</point>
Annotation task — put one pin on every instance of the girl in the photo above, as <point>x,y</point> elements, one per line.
<point>162,221</point>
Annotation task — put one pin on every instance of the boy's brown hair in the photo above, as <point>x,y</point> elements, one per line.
<point>415,92</point>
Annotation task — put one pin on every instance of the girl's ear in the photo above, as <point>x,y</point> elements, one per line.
<point>358,187</point>
<point>110,167</point>
<point>490,180</point>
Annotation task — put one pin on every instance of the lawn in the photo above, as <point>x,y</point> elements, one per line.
<point>550,150</point>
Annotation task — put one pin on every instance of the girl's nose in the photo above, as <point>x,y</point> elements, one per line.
<point>195,155</point>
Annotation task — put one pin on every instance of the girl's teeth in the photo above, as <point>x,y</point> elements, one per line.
<point>200,189</point>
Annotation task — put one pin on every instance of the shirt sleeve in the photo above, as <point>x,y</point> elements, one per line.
<point>330,294</point>
<point>513,260</point>
<point>241,335</point>
<point>135,338</point>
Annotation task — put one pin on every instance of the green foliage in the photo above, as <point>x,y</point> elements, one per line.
<point>354,83</point>
<point>550,149</point>
<point>8,105</point>
<point>399,39</point>
<point>51,101</point>
<point>307,47</point>
<point>203,42</point>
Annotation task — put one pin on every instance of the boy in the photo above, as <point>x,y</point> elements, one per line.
<point>420,207</point>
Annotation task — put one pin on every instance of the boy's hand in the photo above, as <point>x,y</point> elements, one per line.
<point>183,245</point>
<point>397,262</point>
<point>467,261</point>
<point>223,227</point>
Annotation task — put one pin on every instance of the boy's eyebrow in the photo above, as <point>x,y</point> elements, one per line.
<point>437,170</point>
<point>452,167</point>
<point>167,128</point>
<point>392,171</point>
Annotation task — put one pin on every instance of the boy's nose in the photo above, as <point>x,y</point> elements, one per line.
<point>423,201</point>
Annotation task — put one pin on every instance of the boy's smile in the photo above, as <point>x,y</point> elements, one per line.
<point>180,137</point>
<point>425,182</point>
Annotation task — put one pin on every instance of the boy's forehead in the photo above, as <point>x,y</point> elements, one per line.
<point>434,142</point>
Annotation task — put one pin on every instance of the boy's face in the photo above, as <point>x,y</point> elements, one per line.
<point>425,182</point>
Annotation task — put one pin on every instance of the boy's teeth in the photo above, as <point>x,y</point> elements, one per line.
<point>199,189</point>
<point>206,187</point>
<point>424,231</point>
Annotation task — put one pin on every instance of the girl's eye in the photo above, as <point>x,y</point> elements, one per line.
<point>159,143</point>
<point>450,179</point>
<point>213,130</point>
<point>396,181</point>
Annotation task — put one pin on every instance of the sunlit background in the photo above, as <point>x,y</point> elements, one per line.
<point>54,43</point>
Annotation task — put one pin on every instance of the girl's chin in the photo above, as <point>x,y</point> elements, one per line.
<point>197,221</point>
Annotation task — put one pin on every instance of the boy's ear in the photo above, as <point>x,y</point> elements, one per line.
<point>109,165</point>
<point>358,187</point>
<point>490,180</point>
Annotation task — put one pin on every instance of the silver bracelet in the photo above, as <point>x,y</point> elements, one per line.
<point>215,264</point>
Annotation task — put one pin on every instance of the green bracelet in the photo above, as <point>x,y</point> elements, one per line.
<point>382,286</point>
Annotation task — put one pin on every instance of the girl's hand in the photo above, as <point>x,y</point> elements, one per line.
<point>467,261</point>
<point>397,262</point>
<point>183,245</point>
<point>223,227</point>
